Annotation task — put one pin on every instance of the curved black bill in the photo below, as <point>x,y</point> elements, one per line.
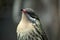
<point>21,9</point>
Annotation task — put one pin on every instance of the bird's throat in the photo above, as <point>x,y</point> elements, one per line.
<point>24,18</point>
<point>25,25</point>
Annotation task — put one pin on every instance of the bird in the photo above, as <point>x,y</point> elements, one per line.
<point>30,27</point>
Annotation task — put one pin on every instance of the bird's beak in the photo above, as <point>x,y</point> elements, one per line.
<point>23,10</point>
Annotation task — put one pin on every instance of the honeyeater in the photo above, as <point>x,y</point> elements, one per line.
<point>30,27</point>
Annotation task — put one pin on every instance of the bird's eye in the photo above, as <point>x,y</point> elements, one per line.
<point>33,15</point>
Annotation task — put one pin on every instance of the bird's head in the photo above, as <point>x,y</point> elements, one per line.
<point>30,14</point>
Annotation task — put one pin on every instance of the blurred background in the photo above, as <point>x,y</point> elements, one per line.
<point>47,10</point>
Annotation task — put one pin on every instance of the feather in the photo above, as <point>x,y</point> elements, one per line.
<point>30,29</point>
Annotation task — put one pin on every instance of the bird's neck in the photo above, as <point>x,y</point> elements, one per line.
<point>24,18</point>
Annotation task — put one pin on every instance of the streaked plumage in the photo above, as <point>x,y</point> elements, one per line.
<point>30,28</point>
